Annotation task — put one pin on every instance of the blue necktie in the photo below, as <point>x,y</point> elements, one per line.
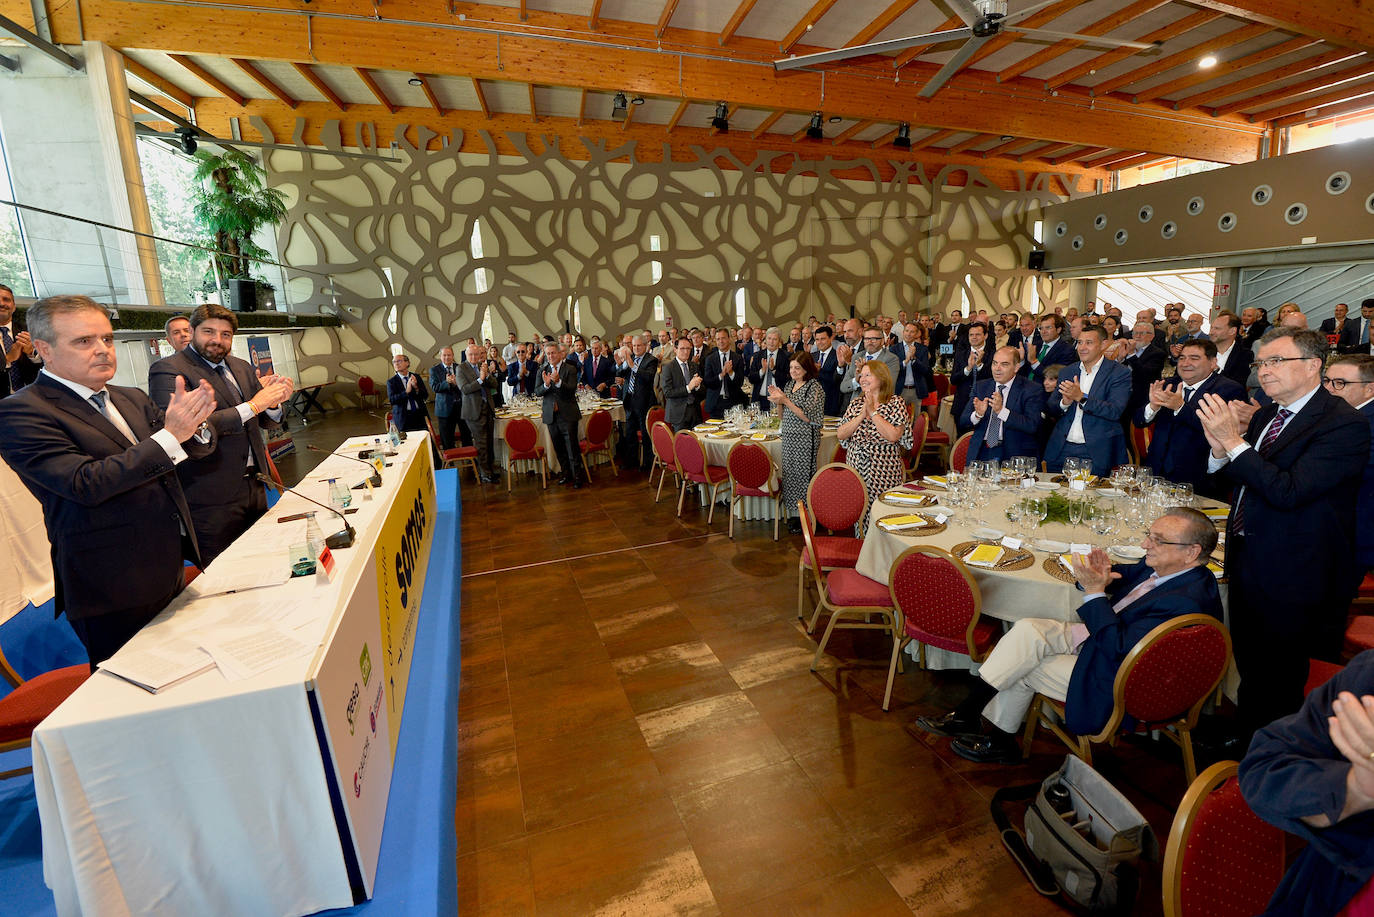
<point>12,369</point>
<point>98,399</point>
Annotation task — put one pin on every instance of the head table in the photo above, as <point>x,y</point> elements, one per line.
<point>1008,595</point>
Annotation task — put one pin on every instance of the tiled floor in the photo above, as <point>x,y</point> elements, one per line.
<point>640,732</point>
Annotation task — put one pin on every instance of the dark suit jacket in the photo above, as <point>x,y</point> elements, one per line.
<point>961,381</point>
<point>113,509</point>
<point>1349,341</point>
<point>1146,368</point>
<point>446,397</point>
<point>478,396</point>
<point>598,371</point>
<point>1088,702</point>
<point>1061,353</point>
<point>1179,449</point>
<point>1102,411</point>
<point>1300,516</point>
<point>207,481</point>
<point>727,392</point>
<point>525,385</point>
<point>925,379</point>
<point>643,397</point>
<point>408,412</point>
<point>1364,526</point>
<point>1329,326</point>
<point>27,365</point>
<point>757,363</point>
<point>1014,339</point>
<point>679,403</point>
<point>560,398</point>
<point>829,375</point>
<point>1237,367</point>
<point>1255,331</point>
<point>1025,401</point>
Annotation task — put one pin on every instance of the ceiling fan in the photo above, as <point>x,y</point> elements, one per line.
<point>985,20</point>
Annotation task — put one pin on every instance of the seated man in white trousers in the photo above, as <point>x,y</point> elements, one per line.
<point>1077,662</point>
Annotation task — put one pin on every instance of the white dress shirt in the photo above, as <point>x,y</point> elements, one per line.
<point>1085,382</point>
<point>164,437</point>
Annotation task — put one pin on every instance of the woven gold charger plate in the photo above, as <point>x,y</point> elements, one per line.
<point>1054,568</point>
<point>1019,559</point>
<point>934,528</point>
<point>914,501</point>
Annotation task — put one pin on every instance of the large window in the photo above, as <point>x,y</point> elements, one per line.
<point>14,259</point>
<point>168,181</point>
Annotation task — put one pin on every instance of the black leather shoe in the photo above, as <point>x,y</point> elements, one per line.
<point>952,725</point>
<point>563,479</point>
<point>794,528</point>
<point>577,485</point>
<point>998,748</point>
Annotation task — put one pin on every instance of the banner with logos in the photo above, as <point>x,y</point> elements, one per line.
<point>260,355</point>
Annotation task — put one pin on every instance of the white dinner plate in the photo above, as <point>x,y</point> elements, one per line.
<point>1127,551</point>
<point>988,534</point>
<point>1047,485</point>
<point>1112,492</point>
<point>1051,546</point>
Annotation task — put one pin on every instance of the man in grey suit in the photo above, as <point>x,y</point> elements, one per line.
<point>478,386</point>
<point>681,388</point>
<point>873,349</point>
<point>557,385</point>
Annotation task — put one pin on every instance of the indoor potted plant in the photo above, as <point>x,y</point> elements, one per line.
<point>232,203</point>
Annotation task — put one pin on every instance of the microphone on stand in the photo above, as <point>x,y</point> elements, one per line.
<point>375,480</point>
<point>343,539</point>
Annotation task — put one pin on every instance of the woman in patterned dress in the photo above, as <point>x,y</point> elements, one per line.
<point>875,431</point>
<point>803,408</point>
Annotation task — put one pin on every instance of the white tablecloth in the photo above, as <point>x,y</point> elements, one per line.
<point>545,440</point>
<point>210,797</point>
<point>25,562</point>
<point>718,450</point>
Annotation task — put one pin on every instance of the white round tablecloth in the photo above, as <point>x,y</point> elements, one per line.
<point>503,420</point>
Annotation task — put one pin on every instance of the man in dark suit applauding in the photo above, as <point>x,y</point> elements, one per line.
<point>972,363</point>
<point>477,385</point>
<point>1351,378</point>
<point>1006,411</point>
<point>598,372</point>
<point>443,380</point>
<point>522,372</point>
<point>558,387</point>
<point>1054,349</point>
<point>636,380</point>
<point>1291,534</point>
<point>1077,662</point>
<point>1234,355</point>
<point>18,366</point>
<point>1358,334</point>
<point>724,376</point>
<point>1093,394</point>
<point>768,367</point>
<point>682,388</point>
<point>830,363</point>
<point>1336,323</point>
<point>1178,448</point>
<point>222,490</point>
<point>100,460</point>
<point>913,380</point>
<point>407,393</point>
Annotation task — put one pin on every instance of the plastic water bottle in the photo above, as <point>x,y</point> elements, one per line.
<point>314,536</point>
<point>393,434</point>
<point>339,497</point>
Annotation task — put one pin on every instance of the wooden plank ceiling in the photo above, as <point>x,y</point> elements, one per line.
<point>552,68</point>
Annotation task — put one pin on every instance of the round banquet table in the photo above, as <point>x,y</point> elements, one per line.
<point>718,449</point>
<point>506,415</point>
<point>1008,595</point>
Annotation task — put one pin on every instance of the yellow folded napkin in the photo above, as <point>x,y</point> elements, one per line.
<point>759,437</point>
<point>913,521</point>
<point>985,555</point>
<point>1067,561</point>
<point>1215,567</point>
<point>937,479</point>
<point>898,496</point>
<point>1217,512</point>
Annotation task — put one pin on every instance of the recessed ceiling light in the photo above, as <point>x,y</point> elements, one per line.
<point>1208,62</point>
<point>835,119</point>
<point>415,81</point>
<point>1006,138</point>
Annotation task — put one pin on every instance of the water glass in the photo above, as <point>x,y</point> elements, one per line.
<point>1013,513</point>
<point>1183,494</point>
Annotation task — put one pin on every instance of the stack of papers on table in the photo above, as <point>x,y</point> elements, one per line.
<point>985,555</point>
<point>1217,512</point>
<point>938,480</point>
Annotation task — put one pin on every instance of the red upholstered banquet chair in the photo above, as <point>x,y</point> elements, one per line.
<point>1221,860</point>
<point>1319,672</point>
<point>665,460</point>
<point>938,603</point>
<point>958,456</point>
<point>920,432</point>
<point>853,601</point>
<point>693,469</point>
<point>30,702</point>
<point>522,444</point>
<point>1140,443</point>
<point>368,392</point>
<point>836,500</point>
<point>598,439</point>
<point>753,474</point>
<point>458,456</point>
<point>1162,684</point>
<point>656,413</point>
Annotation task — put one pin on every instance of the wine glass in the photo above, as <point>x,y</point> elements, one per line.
<point>1075,512</point>
<point>1037,509</point>
<point>1183,494</point>
<point>1013,513</point>
<point>1104,523</point>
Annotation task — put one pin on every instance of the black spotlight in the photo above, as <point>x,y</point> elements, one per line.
<point>814,132</point>
<point>903,139</point>
<point>618,107</point>
<point>188,139</point>
<point>721,121</point>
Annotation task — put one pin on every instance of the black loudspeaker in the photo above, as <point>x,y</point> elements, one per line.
<point>851,311</point>
<point>1036,260</point>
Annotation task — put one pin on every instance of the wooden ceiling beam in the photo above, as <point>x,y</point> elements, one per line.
<point>736,20</point>
<point>885,139</point>
<point>1349,92</point>
<point>629,112</point>
<point>910,54</point>
<point>582,108</point>
<point>1235,65</point>
<point>158,80</point>
<point>665,17</point>
<point>606,63</point>
<point>848,133</point>
<point>257,76</point>
<point>1143,159</point>
<point>208,78</point>
<point>1110,161</point>
<point>1099,28</point>
<point>1045,152</point>
<point>1043,18</point>
<point>677,116</point>
<point>429,93</point>
<point>1329,80</point>
<point>482,98</point>
<point>1085,153</point>
<point>1287,71</point>
<point>965,145</point>
<point>371,83</point>
<point>594,18</point>
<point>534,107</point>
<point>1173,30</point>
<point>931,139</point>
<point>1339,22</point>
<point>880,22</point>
<point>1364,103</point>
<point>1003,149</point>
<point>1187,56</point>
<point>314,79</point>
<point>766,123</point>
<point>813,16</point>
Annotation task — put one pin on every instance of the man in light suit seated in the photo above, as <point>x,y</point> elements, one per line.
<point>1093,394</point>
<point>1077,662</point>
<point>1006,411</point>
